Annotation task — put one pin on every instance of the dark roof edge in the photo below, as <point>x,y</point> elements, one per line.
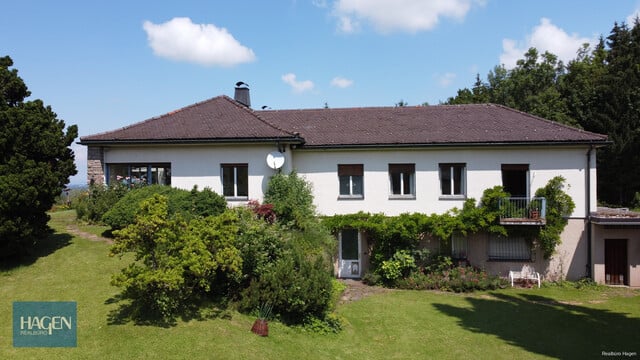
<point>462,144</point>
<point>293,139</point>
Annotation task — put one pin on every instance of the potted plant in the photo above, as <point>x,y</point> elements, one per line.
<point>260,326</point>
<point>534,213</point>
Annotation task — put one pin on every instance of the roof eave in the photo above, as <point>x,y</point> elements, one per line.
<point>599,143</point>
<point>292,140</point>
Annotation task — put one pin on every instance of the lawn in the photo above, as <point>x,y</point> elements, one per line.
<point>506,324</point>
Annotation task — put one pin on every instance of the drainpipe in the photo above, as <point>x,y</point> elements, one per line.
<point>588,215</point>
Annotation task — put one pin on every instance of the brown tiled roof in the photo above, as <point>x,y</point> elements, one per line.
<point>424,125</point>
<point>223,119</point>
<point>217,119</point>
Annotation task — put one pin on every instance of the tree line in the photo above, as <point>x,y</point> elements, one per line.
<point>598,91</point>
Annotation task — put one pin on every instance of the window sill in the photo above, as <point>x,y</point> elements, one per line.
<point>236,198</point>
<point>402,197</point>
<point>452,197</point>
<point>351,197</point>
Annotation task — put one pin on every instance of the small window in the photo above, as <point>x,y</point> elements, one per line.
<point>452,180</point>
<point>402,180</point>
<point>509,248</point>
<point>235,180</point>
<point>351,181</point>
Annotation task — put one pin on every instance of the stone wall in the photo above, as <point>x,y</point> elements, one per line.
<point>95,165</point>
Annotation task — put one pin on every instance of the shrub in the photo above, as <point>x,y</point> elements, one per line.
<point>438,263</point>
<point>189,204</point>
<point>337,289</point>
<point>297,286</point>
<point>175,262</point>
<point>400,265</point>
<point>457,279</point>
<point>204,203</point>
<point>123,212</point>
<point>292,199</point>
<point>260,244</point>
<point>314,240</point>
<point>263,211</point>
<point>584,283</point>
<point>97,201</point>
<point>330,324</point>
<point>371,278</point>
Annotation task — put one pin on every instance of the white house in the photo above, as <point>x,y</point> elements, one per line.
<point>389,160</point>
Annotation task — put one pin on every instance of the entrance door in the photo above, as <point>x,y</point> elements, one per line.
<point>615,261</point>
<point>349,254</point>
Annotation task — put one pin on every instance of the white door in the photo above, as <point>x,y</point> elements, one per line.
<point>349,252</point>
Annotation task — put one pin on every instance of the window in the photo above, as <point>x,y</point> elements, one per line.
<point>459,246</point>
<point>139,174</point>
<point>452,180</point>
<point>509,248</point>
<point>351,181</point>
<point>235,180</point>
<point>402,180</point>
<point>160,174</point>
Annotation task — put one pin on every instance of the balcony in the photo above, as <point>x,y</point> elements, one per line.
<point>523,211</point>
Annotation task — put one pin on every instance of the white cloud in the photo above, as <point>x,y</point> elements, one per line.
<point>348,25</point>
<point>319,3</point>
<point>399,15</point>
<point>544,37</point>
<point>446,79</point>
<point>297,86</point>
<point>205,44</point>
<point>341,82</point>
<point>631,19</point>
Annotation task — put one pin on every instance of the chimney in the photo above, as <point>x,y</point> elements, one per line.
<point>242,94</point>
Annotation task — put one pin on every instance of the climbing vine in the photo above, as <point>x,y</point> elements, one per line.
<point>559,207</point>
<point>404,232</point>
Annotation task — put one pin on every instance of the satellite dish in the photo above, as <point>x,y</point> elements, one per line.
<point>275,160</point>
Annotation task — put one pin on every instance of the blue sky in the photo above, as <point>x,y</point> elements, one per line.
<point>104,65</point>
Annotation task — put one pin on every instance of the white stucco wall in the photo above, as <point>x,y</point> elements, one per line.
<point>200,165</point>
<point>483,171</point>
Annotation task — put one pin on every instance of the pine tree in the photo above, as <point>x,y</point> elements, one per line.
<point>35,164</point>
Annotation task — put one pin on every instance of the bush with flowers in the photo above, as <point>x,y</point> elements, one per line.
<point>453,278</point>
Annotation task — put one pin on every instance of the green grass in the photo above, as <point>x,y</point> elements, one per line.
<point>512,323</point>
